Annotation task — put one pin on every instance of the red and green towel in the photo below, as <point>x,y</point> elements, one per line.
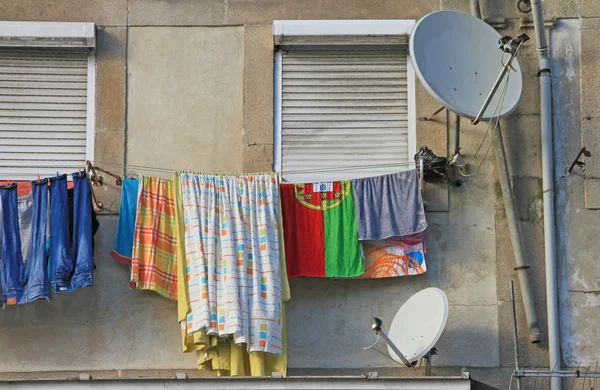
<point>320,231</point>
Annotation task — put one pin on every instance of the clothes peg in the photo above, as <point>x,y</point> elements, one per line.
<point>39,178</point>
<point>57,174</point>
<point>79,169</point>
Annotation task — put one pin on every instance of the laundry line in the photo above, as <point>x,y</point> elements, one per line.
<point>311,170</point>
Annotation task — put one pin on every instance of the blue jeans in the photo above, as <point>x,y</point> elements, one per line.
<point>24,280</point>
<point>71,268</point>
<point>37,265</point>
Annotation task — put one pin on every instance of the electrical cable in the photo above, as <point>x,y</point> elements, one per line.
<point>500,104</point>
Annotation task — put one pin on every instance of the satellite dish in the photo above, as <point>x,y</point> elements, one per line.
<point>456,58</point>
<point>418,324</point>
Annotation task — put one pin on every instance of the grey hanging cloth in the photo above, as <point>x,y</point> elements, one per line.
<point>388,206</point>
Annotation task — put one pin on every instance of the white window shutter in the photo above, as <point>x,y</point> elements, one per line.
<point>345,114</point>
<point>43,112</point>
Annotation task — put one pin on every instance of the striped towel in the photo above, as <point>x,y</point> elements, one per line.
<point>154,257</point>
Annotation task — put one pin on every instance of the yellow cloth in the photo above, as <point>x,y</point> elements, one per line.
<point>222,355</point>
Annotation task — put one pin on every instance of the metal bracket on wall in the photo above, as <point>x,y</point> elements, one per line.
<point>578,162</point>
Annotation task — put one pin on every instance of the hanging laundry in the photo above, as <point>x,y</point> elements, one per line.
<point>395,256</point>
<point>319,224</point>
<point>232,259</point>
<point>388,206</point>
<point>125,230</point>
<point>154,253</point>
<point>222,355</point>
<point>25,210</point>
<point>24,277</point>
<point>71,265</point>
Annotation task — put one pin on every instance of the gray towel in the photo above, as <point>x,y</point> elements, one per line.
<point>388,206</point>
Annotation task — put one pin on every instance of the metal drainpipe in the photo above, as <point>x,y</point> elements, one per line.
<point>548,190</point>
<point>513,224</point>
<point>515,237</point>
<point>475,9</point>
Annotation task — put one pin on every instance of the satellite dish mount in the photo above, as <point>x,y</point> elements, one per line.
<point>507,44</point>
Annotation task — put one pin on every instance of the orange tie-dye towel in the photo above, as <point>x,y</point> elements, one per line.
<point>396,256</point>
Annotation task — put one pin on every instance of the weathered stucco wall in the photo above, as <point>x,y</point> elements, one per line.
<point>188,85</point>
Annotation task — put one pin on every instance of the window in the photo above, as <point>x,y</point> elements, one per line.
<point>344,99</point>
<point>47,78</point>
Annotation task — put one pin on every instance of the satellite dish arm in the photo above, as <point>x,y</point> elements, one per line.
<point>507,45</point>
<point>377,328</point>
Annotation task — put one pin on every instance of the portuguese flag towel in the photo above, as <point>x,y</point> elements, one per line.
<point>320,231</point>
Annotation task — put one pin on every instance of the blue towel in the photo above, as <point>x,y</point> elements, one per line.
<point>388,206</point>
<point>124,240</point>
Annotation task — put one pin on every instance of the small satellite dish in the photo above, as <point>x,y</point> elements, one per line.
<point>456,58</point>
<point>416,328</point>
<point>419,324</point>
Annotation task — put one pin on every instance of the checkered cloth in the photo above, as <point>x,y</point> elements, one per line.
<point>154,257</point>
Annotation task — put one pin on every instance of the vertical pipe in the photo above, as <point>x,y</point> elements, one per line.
<point>513,224</point>
<point>457,134</point>
<point>515,331</point>
<point>521,266</point>
<point>548,190</point>
<point>475,9</point>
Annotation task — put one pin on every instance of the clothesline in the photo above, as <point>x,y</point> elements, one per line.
<point>157,169</point>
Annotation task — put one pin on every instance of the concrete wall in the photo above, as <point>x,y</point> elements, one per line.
<point>188,85</point>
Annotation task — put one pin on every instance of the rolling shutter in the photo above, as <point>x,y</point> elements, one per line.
<point>43,111</point>
<point>345,114</point>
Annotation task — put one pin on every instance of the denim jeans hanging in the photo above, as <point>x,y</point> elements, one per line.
<point>24,279</point>
<point>71,267</point>
<point>13,268</point>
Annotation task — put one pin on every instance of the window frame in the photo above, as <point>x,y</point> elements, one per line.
<point>74,36</point>
<point>378,30</point>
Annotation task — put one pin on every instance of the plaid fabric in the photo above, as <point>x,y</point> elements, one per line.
<point>154,257</point>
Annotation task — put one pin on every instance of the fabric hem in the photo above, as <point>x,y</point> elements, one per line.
<point>392,236</point>
<point>120,258</point>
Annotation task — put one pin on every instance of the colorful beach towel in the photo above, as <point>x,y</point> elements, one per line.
<point>396,256</point>
<point>319,224</point>
<point>154,255</point>
<point>232,259</point>
<point>125,230</point>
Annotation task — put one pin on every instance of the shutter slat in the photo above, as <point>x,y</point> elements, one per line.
<point>42,92</point>
<point>324,96</point>
<point>354,110</point>
<point>331,117</point>
<point>355,82</point>
<point>31,156</point>
<point>43,85</point>
<point>324,90</point>
<point>345,69</point>
<point>19,70</point>
<point>8,144</point>
<point>40,121</point>
<point>42,114</point>
<point>344,114</point>
<point>27,136</point>
<point>35,63</point>
<point>43,99</point>
<point>344,125</point>
<point>50,78</point>
<point>348,75</point>
<point>43,128</point>
<point>354,103</point>
<point>33,164</point>
<point>31,106</point>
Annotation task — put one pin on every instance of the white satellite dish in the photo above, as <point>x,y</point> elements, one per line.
<point>456,58</point>
<point>418,324</point>
<point>416,327</point>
